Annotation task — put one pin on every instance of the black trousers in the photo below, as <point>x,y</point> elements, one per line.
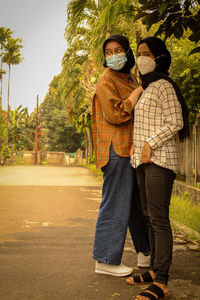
<point>155,186</point>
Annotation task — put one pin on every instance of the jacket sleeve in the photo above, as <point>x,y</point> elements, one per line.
<point>172,116</point>
<point>115,109</point>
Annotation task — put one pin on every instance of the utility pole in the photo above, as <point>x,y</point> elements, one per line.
<point>36,133</point>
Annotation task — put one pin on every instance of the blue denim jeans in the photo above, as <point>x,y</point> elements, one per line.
<point>155,185</point>
<point>118,210</point>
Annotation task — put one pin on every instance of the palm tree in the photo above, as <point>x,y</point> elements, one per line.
<point>90,22</point>
<point>5,33</point>
<point>12,56</point>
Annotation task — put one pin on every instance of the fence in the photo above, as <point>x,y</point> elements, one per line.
<point>189,155</point>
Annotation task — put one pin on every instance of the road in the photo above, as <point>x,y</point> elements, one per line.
<point>47,224</point>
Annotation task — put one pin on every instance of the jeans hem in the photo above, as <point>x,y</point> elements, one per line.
<point>106,261</point>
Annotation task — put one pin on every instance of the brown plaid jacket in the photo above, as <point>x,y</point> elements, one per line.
<point>112,119</point>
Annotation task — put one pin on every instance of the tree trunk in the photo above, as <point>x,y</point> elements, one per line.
<point>86,147</point>
<point>7,117</point>
<point>90,144</point>
<point>171,50</point>
<point>138,35</point>
<point>8,98</point>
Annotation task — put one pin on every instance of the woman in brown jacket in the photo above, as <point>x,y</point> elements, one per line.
<point>112,123</point>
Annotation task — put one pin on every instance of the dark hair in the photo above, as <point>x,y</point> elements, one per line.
<point>124,42</point>
<point>160,52</point>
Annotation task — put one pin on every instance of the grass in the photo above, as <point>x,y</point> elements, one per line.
<point>186,212</point>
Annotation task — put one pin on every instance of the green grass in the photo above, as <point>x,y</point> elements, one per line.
<point>186,212</point>
<point>19,161</point>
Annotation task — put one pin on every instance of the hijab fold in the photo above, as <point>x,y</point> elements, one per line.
<point>163,61</point>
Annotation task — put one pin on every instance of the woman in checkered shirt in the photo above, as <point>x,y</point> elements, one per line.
<point>159,115</point>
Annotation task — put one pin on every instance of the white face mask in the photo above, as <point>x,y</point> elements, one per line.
<point>145,64</point>
<point>116,62</point>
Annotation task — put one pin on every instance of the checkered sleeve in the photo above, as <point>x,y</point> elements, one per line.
<point>115,109</point>
<point>172,116</point>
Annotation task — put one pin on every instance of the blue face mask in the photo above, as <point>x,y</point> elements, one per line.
<point>116,62</point>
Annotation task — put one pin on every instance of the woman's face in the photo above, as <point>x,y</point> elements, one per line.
<point>143,50</point>
<point>113,48</point>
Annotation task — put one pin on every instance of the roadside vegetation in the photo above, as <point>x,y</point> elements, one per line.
<point>185,211</point>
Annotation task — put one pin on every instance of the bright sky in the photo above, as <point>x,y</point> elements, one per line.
<point>41,25</point>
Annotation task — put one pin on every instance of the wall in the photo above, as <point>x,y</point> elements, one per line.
<point>49,158</point>
<point>80,157</point>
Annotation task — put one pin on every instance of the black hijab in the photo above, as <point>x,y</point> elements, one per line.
<point>158,49</point>
<point>123,41</point>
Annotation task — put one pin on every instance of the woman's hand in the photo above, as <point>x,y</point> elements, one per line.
<point>132,150</point>
<point>146,154</point>
<point>134,96</point>
<point>139,90</point>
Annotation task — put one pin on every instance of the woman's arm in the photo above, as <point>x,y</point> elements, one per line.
<point>135,95</point>
<point>115,110</point>
<point>172,116</point>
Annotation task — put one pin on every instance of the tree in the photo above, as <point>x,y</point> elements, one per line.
<point>12,56</point>
<point>15,132</point>
<point>185,71</point>
<point>5,34</point>
<point>90,22</point>
<point>175,17</point>
<point>60,135</point>
<point>18,131</point>
<point>56,131</point>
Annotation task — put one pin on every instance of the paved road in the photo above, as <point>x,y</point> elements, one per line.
<point>47,223</point>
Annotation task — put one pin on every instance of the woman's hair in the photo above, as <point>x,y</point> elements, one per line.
<point>160,53</point>
<point>124,42</point>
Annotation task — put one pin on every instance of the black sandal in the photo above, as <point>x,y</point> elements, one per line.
<point>154,288</point>
<point>144,278</point>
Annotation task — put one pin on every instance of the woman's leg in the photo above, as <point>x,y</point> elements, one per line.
<point>138,223</point>
<point>114,210</point>
<point>141,178</point>
<point>158,184</point>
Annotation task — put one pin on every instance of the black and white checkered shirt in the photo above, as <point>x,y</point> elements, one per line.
<point>157,119</point>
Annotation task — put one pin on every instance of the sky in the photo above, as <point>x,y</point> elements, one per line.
<point>41,26</point>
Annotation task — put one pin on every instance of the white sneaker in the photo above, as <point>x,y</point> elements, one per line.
<point>143,261</point>
<point>120,270</point>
